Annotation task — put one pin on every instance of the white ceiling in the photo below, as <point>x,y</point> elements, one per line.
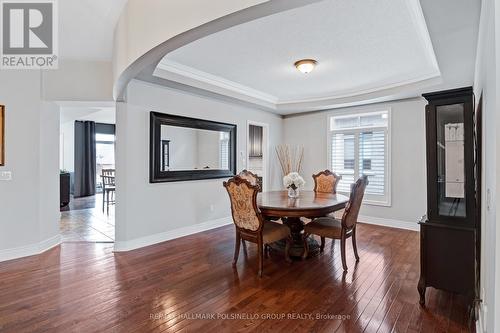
<point>103,114</point>
<point>86,28</point>
<point>362,47</point>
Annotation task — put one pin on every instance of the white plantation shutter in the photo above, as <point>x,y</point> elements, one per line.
<point>224,151</point>
<point>342,153</point>
<point>358,145</point>
<point>372,153</point>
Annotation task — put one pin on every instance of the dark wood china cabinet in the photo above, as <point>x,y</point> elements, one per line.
<point>449,231</point>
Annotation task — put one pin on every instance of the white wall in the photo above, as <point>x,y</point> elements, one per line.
<point>68,146</point>
<point>169,206</point>
<point>182,141</point>
<point>208,152</point>
<point>29,203</point>
<point>408,176</point>
<point>79,81</point>
<point>486,82</point>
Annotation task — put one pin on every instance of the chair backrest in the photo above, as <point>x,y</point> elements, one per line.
<point>326,182</point>
<point>243,196</point>
<point>250,176</point>
<point>352,208</point>
<point>108,172</point>
<point>108,180</point>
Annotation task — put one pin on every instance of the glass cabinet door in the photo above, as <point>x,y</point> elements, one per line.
<point>451,200</point>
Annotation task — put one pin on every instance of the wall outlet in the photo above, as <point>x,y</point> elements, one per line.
<point>5,175</point>
<point>212,208</point>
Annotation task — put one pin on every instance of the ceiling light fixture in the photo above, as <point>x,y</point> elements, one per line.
<point>306,65</point>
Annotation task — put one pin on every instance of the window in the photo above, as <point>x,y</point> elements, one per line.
<point>224,150</point>
<point>358,145</point>
<point>165,155</point>
<point>105,155</point>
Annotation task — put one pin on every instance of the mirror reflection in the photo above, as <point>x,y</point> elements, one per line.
<point>184,148</point>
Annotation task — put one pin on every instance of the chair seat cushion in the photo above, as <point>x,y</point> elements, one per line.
<point>273,232</point>
<point>325,227</point>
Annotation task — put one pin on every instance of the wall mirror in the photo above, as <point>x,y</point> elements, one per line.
<point>183,148</point>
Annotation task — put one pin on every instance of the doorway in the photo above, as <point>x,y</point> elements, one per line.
<point>87,217</point>
<point>257,159</point>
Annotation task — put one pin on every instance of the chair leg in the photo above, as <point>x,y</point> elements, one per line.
<point>322,246</point>
<point>261,257</point>
<point>103,199</point>
<point>107,202</point>
<point>342,251</point>
<point>306,246</point>
<point>355,248</point>
<point>288,245</point>
<point>244,245</point>
<point>236,249</point>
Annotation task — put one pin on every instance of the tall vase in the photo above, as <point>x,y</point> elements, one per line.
<point>293,193</point>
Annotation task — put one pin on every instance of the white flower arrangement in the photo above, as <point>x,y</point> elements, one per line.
<point>293,180</point>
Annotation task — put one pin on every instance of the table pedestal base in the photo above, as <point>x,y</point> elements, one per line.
<point>297,249</point>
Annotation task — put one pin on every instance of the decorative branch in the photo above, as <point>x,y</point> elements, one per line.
<point>290,158</point>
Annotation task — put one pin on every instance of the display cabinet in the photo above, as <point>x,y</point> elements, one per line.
<point>448,232</point>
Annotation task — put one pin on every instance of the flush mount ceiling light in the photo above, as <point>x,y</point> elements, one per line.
<point>306,65</point>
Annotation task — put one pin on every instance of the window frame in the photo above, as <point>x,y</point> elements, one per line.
<point>386,201</point>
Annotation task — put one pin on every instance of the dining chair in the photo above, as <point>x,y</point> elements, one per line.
<point>108,188</point>
<point>326,182</point>
<point>251,177</point>
<point>330,227</point>
<point>250,224</point>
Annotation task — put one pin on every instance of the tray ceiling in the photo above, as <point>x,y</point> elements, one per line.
<point>361,47</point>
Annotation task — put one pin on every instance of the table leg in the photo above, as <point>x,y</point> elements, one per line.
<point>296,227</point>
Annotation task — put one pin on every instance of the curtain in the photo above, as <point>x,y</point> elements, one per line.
<point>85,160</point>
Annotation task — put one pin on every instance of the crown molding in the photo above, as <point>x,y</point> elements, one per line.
<point>204,80</point>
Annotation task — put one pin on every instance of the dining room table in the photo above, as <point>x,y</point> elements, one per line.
<point>275,205</point>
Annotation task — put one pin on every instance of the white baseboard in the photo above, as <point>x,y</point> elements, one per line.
<point>389,222</point>
<point>30,250</point>
<point>122,246</point>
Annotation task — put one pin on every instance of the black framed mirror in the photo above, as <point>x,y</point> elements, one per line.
<point>183,148</point>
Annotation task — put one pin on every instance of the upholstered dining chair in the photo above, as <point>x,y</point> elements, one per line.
<point>326,182</point>
<point>250,176</point>
<point>249,223</point>
<point>330,227</point>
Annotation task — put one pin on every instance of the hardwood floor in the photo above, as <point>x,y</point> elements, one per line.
<point>188,284</point>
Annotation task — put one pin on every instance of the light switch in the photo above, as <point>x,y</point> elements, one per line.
<point>5,175</point>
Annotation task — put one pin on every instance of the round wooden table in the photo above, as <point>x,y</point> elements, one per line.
<point>277,204</point>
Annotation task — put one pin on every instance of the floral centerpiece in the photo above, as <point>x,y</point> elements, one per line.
<point>293,181</point>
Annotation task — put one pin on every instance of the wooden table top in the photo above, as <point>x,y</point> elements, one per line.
<point>308,204</point>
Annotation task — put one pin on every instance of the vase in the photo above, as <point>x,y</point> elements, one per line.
<point>293,193</point>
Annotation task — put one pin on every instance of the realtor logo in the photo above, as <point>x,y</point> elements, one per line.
<point>29,34</point>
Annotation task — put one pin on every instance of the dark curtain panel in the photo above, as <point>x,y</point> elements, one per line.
<point>85,173</point>
<point>255,134</point>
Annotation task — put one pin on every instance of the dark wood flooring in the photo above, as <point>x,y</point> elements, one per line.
<point>188,284</point>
